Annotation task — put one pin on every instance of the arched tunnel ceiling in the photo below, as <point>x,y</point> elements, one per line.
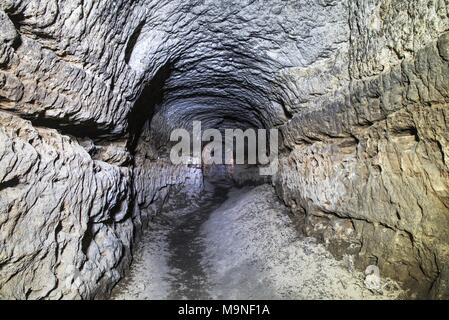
<point>225,58</point>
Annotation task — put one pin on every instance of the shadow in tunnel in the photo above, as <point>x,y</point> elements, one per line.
<point>144,108</point>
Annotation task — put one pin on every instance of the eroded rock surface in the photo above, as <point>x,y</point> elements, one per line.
<point>90,91</point>
<point>370,170</point>
<point>240,244</point>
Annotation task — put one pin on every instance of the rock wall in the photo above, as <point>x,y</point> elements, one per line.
<point>70,192</point>
<point>368,172</point>
<point>62,227</point>
<point>63,65</point>
<point>90,90</point>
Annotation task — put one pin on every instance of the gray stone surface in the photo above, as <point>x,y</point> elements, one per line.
<point>369,171</point>
<point>89,92</point>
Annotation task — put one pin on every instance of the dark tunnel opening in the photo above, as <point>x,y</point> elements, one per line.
<point>116,166</point>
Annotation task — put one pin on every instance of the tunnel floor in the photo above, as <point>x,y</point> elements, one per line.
<point>237,243</point>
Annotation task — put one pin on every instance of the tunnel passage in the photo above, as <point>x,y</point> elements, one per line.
<point>90,93</point>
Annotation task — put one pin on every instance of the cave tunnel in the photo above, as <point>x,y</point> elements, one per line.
<point>332,184</point>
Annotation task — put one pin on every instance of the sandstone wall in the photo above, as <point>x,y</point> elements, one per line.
<point>358,88</point>
<point>70,195</point>
<point>369,172</point>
